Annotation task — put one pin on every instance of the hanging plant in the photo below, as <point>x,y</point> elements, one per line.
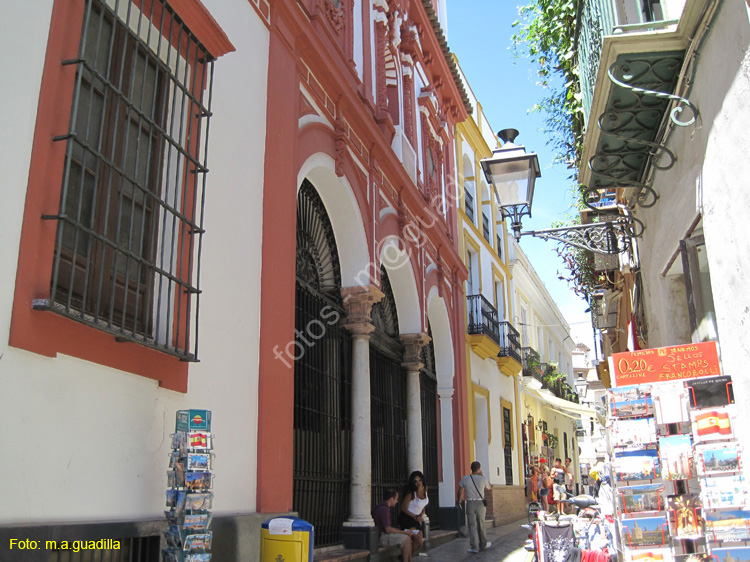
<point>552,441</point>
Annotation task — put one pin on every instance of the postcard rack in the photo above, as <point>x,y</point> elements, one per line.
<point>677,470</point>
<point>189,489</point>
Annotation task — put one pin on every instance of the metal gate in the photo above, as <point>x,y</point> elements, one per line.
<point>322,377</point>
<point>388,395</point>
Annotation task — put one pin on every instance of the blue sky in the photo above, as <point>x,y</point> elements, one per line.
<point>479,32</point>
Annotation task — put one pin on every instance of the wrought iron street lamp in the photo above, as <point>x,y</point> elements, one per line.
<point>512,172</point>
<point>581,385</point>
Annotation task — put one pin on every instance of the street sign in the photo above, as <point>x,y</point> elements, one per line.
<point>665,363</point>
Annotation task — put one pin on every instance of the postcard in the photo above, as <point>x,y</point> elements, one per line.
<point>645,531</point>
<point>634,499</point>
<point>198,461</point>
<point>710,392</point>
<point>199,440</point>
<point>711,425</point>
<point>670,402</point>
<point>198,481</point>
<point>197,542</point>
<point>728,526</point>
<point>686,520</point>
<point>171,498</point>
<point>198,557</point>
<point>649,555</point>
<point>197,502</point>
<point>676,454</point>
<point>197,521</point>
<point>637,464</point>
<point>631,401</point>
<point>736,554</point>
<point>626,433</point>
<point>179,442</point>
<point>718,459</point>
<point>723,491</point>
<point>694,557</point>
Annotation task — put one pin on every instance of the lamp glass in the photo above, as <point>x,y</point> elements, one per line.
<point>513,173</point>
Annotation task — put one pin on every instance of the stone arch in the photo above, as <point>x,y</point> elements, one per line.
<point>442,337</point>
<point>400,270</point>
<point>344,213</point>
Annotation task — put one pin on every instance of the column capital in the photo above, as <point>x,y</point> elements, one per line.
<point>413,344</point>
<point>358,303</point>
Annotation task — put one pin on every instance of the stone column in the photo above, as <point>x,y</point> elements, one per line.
<point>358,302</point>
<point>413,344</point>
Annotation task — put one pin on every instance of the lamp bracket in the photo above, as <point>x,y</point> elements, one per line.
<point>607,237</point>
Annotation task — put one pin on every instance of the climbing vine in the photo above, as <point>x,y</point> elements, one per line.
<point>545,33</point>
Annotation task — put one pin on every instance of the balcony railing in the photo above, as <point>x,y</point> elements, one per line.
<point>600,18</point>
<point>532,363</point>
<point>564,391</point>
<point>510,342</point>
<point>483,317</point>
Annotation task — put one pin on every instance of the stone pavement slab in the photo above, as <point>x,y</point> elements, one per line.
<point>507,546</point>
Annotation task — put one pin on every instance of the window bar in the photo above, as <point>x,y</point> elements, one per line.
<point>188,203</point>
<point>184,134</point>
<point>66,169</point>
<point>153,111</point>
<point>167,291</point>
<point>165,164</point>
<point>117,92</point>
<point>203,199</point>
<point>127,125</point>
<point>93,69</point>
<point>199,75</point>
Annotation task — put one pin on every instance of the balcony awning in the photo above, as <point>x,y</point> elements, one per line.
<point>570,409</point>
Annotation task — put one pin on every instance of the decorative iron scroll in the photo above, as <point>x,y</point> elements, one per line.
<point>630,72</point>
<point>607,237</point>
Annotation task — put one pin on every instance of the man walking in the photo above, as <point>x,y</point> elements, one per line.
<point>471,489</point>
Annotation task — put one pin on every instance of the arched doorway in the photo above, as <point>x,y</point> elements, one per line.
<point>322,376</point>
<point>388,392</point>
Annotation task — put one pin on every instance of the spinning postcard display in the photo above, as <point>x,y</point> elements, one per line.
<point>189,496</point>
<point>681,495</point>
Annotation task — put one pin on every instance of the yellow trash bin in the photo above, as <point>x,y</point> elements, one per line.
<point>286,539</point>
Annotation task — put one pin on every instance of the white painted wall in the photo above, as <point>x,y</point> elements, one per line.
<point>91,443</point>
<point>711,174</point>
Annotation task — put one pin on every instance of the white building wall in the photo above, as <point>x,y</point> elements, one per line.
<point>91,443</point>
<point>710,176</point>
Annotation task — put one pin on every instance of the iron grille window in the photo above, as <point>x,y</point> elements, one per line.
<point>508,446</point>
<point>486,228</point>
<point>130,222</point>
<point>469,204</point>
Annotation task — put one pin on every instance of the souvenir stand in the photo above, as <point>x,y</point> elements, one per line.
<point>189,494</point>
<point>680,493</point>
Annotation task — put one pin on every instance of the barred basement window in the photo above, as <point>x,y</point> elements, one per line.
<point>130,222</point>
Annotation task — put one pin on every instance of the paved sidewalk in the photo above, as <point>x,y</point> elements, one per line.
<point>507,546</point>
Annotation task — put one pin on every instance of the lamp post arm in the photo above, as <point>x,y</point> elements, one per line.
<point>610,237</point>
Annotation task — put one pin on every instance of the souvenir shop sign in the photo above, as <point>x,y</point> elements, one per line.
<point>666,363</point>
